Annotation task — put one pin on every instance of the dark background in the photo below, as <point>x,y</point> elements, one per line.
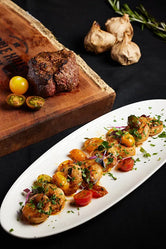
<point>138,221</point>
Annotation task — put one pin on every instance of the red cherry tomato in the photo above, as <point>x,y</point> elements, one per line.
<point>126,164</point>
<point>83,198</point>
<point>98,191</point>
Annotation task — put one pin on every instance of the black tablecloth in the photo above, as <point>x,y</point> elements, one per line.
<point>138,221</point>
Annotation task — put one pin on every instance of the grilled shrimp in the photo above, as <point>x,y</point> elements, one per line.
<point>106,158</point>
<point>91,172</point>
<point>122,143</point>
<point>37,209</point>
<point>68,177</point>
<point>155,126</point>
<point>56,196</point>
<point>124,151</point>
<point>92,143</point>
<point>139,128</point>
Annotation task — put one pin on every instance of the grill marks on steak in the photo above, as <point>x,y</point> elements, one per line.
<point>52,72</point>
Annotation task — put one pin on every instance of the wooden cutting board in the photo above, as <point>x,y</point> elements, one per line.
<point>22,37</point>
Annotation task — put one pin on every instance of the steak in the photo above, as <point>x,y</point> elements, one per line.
<point>53,72</point>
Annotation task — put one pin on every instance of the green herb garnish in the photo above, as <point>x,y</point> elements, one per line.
<point>112,176</point>
<point>162,135</point>
<point>104,146</point>
<point>145,153</point>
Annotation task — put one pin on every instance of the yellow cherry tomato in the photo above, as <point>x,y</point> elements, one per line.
<point>60,180</point>
<point>77,155</point>
<point>18,85</point>
<point>92,143</point>
<point>127,139</point>
<point>44,178</point>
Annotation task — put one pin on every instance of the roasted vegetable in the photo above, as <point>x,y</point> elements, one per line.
<point>98,40</point>
<point>126,52</point>
<point>118,26</point>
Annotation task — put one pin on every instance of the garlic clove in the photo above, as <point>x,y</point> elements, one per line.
<point>126,52</point>
<point>98,40</point>
<point>118,26</point>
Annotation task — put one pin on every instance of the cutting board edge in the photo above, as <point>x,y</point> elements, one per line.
<point>107,100</point>
<point>31,134</point>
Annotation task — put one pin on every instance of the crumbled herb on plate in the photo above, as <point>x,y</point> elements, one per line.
<point>145,153</point>
<point>162,135</point>
<point>111,175</point>
<point>70,211</point>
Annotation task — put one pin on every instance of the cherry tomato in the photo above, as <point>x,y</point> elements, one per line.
<point>77,155</point>
<point>83,198</point>
<point>127,139</point>
<point>15,100</point>
<point>35,102</point>
<point>44,178</point>
<point>60,180</point>
<point>18,85</point>
<point>98,191</point>
<point>126,164</point>
<point>92,143</point>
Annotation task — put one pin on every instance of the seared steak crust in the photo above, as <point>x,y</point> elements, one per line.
<point>52,72</point>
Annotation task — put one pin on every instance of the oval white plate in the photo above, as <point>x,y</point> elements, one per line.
<point>117,189</point>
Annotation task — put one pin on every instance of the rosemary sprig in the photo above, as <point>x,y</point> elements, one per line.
<point>141,16</point>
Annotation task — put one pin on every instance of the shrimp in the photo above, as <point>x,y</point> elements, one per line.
<point>56,196</point>
<point>139,128</point>
<point>155,126</point>
<point>91,172</point>
<point>68,177</point>
<point>122,144</point>
<point>106,158</point>
<point>77,155</point>
<point>111,137</point>
<point>124,151</point>
<point>37,209</point>
<point>92,143</point>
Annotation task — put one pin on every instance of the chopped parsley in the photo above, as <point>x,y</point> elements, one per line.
<point>145,153</point>
<point>137,160</point>
<point>70,211</point>
<point>112,176</point>
<point>162,135</point>
<point>104,146</point>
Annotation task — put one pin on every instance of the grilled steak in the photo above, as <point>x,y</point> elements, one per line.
<point>52,72</point>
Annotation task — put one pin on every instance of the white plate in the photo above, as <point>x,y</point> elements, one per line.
<point>117,189</point>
